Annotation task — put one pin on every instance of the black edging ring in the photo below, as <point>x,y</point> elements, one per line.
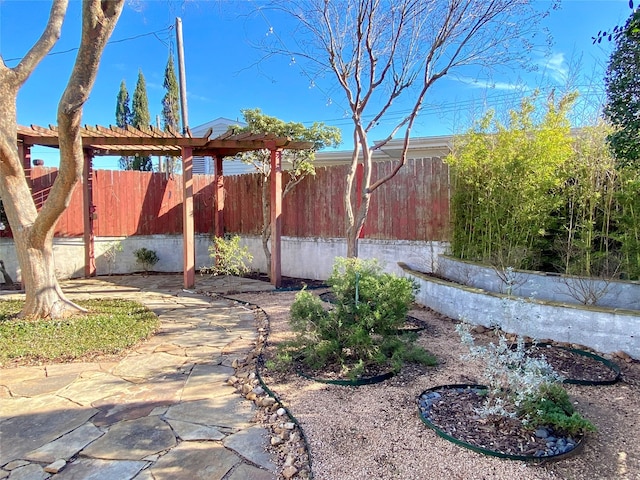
<point>612,365</point>
<point>268,391</point>
<point>358,382</point>
<point>486,451</point>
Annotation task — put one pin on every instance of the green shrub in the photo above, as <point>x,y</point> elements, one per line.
<point>551,407</point>
<point>146,258</point>
<point>229,257</point>
<point>523,386</point>
<point>361,330</point>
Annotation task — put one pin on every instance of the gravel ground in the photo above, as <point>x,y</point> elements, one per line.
<point>375,431</point>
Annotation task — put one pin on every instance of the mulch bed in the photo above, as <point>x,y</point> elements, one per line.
<point>575,367</point>
<point>454,412</point>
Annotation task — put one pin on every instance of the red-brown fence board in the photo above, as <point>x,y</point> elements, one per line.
<point>414,205</point>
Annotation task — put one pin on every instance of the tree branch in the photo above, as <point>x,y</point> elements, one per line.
<point>99,18</point>
<point>44,44</point>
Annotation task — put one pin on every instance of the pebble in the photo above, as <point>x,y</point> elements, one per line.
<point>56,466</point>
<point>281,411</point>
<point>289,472</point>
<point>258,390</point>
<point>289,426</point>
<point>542,433</point>
<point>276,441</point>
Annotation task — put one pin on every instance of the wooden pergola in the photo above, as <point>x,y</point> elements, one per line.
<point>115,141</point>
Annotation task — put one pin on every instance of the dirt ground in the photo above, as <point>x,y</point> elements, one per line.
<point>376,432</point>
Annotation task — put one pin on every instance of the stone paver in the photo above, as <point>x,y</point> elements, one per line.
<point>66,446</point>
<point>96,469</point>
<point>32,423</point>
<point>195,460</point>
<point>249,444</point>
<point>133,440</point>
<point>162,412</point>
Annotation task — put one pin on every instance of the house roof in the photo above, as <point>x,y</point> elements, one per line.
<point>419,147</point>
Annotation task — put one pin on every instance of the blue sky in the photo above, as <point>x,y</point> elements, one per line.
<point>225,75</point>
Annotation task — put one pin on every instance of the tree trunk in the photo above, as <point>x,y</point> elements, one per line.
<point>266,223</point>
<point>357,197</point>
<point>33,231</point>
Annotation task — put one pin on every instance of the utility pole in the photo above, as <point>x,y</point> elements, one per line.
<point>182,77</point>
<point>160,162</point>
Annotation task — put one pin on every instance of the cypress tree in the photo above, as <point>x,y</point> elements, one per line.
<point>140,118</point>
<point>123,118</point>
<point>170,101</point>
<point>170,105</point>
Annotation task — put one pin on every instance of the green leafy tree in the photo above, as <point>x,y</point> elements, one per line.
<point>140,118</point>
<point>170,104</point>
<point>630,28</point>
<point>299,163</point>
<point>531,194</point>
<point>123,118</point>
<point>622,108</point>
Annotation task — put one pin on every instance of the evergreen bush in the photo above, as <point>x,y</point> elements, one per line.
<point>361,331</point>
<point>146,258</point>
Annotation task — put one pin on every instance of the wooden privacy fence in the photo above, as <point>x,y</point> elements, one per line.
<point>412,206</point>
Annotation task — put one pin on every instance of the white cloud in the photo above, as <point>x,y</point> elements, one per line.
<point>490,84</point>
<point>555,66</point>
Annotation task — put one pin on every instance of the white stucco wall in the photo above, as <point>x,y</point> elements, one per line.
<point>301,257</point>
<point>313,258</point>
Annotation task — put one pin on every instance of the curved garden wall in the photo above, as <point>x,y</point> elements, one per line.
<point>541,285</point>
<point>603,329</point>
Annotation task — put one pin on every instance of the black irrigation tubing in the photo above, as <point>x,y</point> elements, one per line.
<point>612,365</point>
<point>306,287</point>
<point>268,391</point>
<point>486,451</point>
<point>358,382</point>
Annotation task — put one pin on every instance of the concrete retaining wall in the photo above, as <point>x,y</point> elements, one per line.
<point>543,286</point>
<point>301,257</point>
<point>604,329</point>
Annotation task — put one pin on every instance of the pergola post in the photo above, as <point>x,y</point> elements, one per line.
<point>88,210</point>
<point>188,228</point>
<point>218,209</point>
<point>25,155</point>
<point>276,216</point>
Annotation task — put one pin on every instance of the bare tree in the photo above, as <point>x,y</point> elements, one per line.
<point>382,51</point>
<point>32,230</point>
